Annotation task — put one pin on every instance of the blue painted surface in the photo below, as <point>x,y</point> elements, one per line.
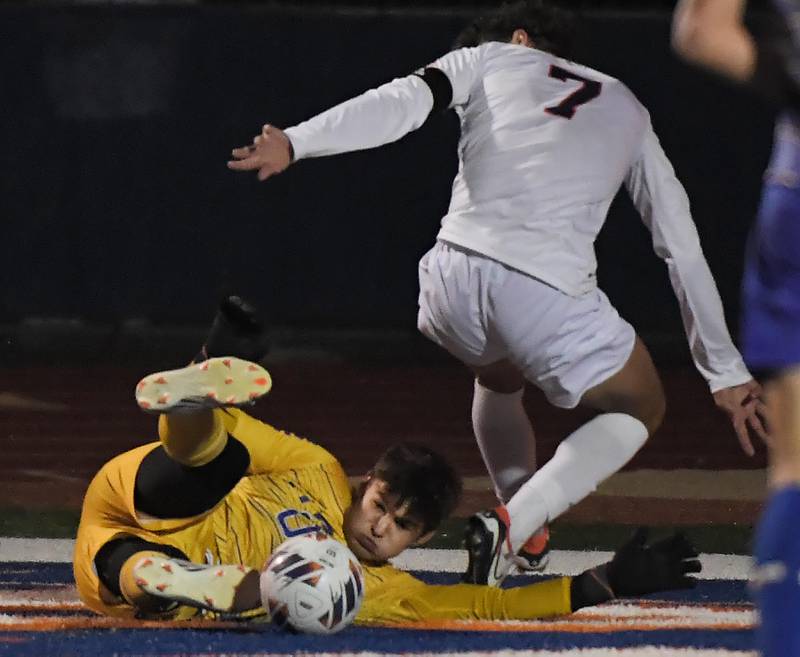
<point>127,643</point>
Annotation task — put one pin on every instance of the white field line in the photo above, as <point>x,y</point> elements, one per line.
<point>58,550</point>
<point>567,562</point>
<point>562,562</point>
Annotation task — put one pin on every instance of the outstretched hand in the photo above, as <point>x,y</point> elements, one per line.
<point>747,412</point>
<point>270,154</point>
<point>638,568</point>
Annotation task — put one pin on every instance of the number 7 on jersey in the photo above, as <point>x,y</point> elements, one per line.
<point>589,89</point>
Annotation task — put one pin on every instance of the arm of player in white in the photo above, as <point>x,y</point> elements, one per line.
<point>376,117</point>
<point>387,113</point>
<point>664,206</point>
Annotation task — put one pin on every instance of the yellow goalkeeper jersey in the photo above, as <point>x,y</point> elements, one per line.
<point>292,486</point>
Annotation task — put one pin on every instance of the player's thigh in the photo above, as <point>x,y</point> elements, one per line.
<point>562,344</point>
<point>454,300</point>
<point>501,376</point>
<point>635,389</point>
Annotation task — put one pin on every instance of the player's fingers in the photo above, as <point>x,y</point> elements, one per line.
<point>676,546</point>
<point>242,152</point>
<point>691,566</point>
<point>639,537</point>
<point>758,427</point>
<point>246,164</point>
<point>763,414</point>
<point>682,547</point>
<point>744,438</point>
<point>265,172</point>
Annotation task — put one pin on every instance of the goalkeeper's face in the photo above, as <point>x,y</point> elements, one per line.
<point>377,526</point>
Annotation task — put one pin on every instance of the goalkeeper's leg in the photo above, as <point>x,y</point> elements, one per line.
<point>198,463</point>
<point>195,467</point>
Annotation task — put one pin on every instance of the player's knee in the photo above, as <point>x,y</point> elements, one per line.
<point>649,409</point>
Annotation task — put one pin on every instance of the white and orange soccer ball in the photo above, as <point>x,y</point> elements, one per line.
<point>312,583</point>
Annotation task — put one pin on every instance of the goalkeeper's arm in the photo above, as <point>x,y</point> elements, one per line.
<point>636,569</point>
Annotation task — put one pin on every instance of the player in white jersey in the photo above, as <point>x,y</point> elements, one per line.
<point>510,288</point>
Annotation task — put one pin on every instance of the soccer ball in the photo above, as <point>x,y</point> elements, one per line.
<point>312,583</point>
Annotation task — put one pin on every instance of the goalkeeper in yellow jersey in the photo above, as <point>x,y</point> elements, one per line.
<point>185,524</point>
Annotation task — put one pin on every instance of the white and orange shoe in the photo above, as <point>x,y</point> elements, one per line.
<point>214,383</point>
<point>490,560</point>
<point>534,555</point>
<point>225,589</point>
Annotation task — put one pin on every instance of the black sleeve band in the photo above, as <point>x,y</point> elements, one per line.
<point>769,77</point>
<point>440,87</point>
<point>113,555</point>
<point>590,588</point>
<point>166,489</point>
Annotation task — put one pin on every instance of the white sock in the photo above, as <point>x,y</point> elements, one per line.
<point>505,438</point>
<point>583,460</point>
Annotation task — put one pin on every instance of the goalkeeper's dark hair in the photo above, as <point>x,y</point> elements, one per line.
<point>549,27</point>
<point>422,478</point>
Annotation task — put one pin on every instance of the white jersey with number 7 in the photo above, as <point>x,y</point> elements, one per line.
<point>545,145</point>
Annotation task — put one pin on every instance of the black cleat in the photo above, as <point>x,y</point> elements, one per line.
<point>486,540</point>
<point>237,331</point>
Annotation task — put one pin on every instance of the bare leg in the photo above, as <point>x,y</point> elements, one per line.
<point>633,406</point>
<point>635,390</point>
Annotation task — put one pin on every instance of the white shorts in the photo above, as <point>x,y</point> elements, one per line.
<point>482,311</point>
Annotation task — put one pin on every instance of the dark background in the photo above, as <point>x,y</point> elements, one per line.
<point>118,211</point>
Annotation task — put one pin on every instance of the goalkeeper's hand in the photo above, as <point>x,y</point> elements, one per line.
<point>637,569</point>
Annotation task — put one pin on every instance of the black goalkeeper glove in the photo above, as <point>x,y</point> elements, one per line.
<point>637,569</point>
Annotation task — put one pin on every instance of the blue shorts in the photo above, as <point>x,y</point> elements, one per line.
<point>771,285</point>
